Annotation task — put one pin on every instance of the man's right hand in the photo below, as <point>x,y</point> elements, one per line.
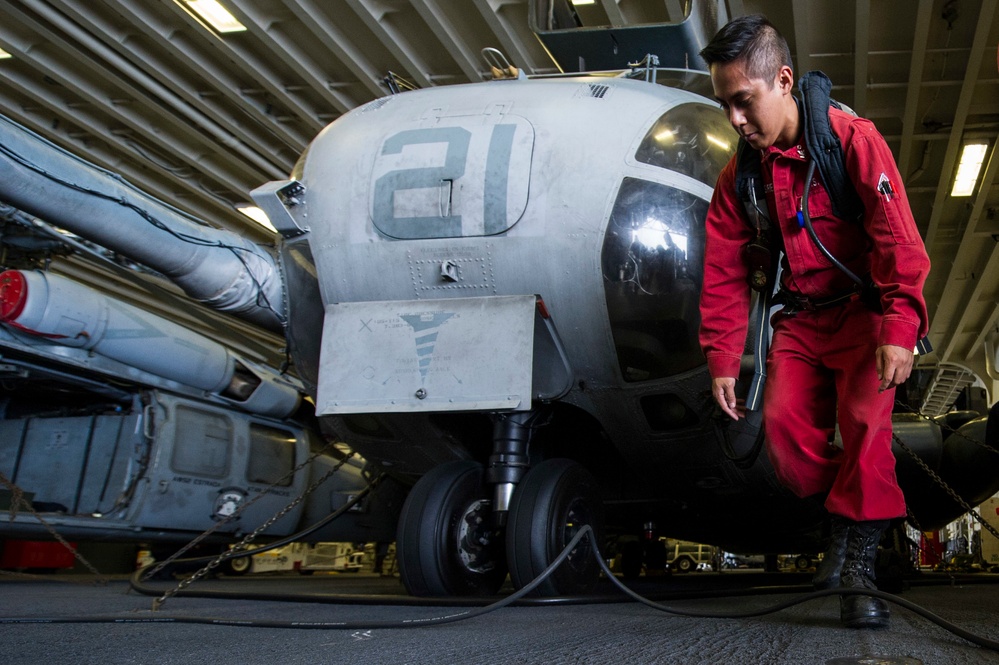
<point>723,390</point>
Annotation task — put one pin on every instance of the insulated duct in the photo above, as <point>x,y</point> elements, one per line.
<point>52,310</point>
<point>218,268</point>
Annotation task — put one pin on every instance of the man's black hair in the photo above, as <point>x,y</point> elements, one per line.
<point>753,38</point>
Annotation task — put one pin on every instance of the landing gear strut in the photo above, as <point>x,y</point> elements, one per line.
<point>509,462</point>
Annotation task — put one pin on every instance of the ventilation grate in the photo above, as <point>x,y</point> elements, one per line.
<point>598,91</point>
<point>377,104</point>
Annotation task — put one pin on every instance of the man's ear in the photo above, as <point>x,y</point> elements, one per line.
<point>785,79</point>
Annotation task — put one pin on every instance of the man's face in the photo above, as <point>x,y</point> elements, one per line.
<point>755,107</point>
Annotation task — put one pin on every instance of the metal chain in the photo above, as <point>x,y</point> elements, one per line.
<point>236,513</point>
<point>947,488</point>
<point>980,444</point>
<point>17,499</point>
<point>936,478</point>
<point>242,545</point>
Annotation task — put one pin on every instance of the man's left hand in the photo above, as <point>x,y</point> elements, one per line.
<point>894,365</point>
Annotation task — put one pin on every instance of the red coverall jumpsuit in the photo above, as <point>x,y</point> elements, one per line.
<point>821,366</point>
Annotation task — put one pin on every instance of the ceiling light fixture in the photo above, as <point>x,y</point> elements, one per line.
<point>972,157</point>
<point>577,3</point>
<point>216,15</point>
<point>257,215</point>
<point>4,55</point>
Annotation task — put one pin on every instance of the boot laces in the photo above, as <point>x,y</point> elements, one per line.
<point>862,548</point>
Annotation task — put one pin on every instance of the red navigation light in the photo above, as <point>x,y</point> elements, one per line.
<point>542,309</point>
<point>13,294</point>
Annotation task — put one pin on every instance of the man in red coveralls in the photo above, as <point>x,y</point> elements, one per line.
<point>835,356</point>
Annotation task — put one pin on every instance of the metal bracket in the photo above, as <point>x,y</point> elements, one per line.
<point>279,200</point>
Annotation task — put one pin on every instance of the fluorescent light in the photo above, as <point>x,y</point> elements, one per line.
<point>4,54</point>
<point>583,2</point>
<point>257,215</point>
<point>721,143</point>
<point>665,135</point>
<point>216,15</point>
<point>968,169</point>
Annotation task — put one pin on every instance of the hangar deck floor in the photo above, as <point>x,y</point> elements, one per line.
<point>605,630</point>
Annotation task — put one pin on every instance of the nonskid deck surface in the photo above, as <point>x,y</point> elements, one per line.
<point>599,631</point>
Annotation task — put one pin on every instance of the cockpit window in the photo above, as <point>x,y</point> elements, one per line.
<point>652,266</point>
<point>693,139</point>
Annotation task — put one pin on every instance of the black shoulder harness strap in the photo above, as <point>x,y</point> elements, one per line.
<point>824,146</point>
<point>749,185</point>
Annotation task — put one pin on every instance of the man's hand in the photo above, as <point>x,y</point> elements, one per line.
<point>723,390</point>
<point>894,365</point>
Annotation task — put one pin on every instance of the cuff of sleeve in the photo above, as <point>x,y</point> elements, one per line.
<point>898,333</point>
<point>720,366</point>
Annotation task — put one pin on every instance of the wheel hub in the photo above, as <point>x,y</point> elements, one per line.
<point>577,517</point>
<point>477,538</point>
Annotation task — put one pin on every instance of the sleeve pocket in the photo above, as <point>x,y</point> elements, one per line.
<point>903,230</point>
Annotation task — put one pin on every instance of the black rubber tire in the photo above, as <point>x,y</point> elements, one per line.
<point>655,558</point>
<point>684,564</point>
<point>240,565</point>
<point>631,560</point>
<point>433,561</point>
<point>549,505</point>
<point>802,563</point>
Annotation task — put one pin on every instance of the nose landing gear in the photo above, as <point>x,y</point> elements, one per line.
<point>462,525</point>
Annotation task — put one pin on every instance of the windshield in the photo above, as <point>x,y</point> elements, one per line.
<point>652,265</point>
<point>693,139</point>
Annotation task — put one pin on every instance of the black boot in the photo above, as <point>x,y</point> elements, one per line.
<point>827,573</point>
<point>858,573</point>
